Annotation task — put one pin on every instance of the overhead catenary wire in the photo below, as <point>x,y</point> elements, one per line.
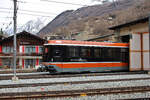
<point>27,14</point>
<point>23,12</point>
<point>52,1</point>
<point>35,14</point>
<point>63,2</point>
<point>9,17</point>
<point>38,13</point>
<point>6,17</point>
<point>1,8</point>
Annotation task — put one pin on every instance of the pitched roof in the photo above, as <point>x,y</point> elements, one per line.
<point>26,33</point>
<point>100,37</point>
<point>142,20</point>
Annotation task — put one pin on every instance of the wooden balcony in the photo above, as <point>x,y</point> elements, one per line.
<point>21,54</point>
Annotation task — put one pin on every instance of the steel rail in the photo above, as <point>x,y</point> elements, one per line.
<point>74,93</point>
<point>68,75</point>
<point>18,71</point>
<point>69,83</point>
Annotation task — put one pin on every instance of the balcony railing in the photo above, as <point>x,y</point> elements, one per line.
<point>29,54</point>
<point>21,54</point>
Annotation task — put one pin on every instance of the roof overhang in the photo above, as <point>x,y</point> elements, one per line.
<point>142,20</point>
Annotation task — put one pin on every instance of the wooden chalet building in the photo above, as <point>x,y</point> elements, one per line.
<point>29,50</point>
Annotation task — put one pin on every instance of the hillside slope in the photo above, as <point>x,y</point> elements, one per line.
<point>91,21</point>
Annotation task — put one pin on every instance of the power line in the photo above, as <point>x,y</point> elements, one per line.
<point>30,11</point>
<point>5,12</point>
<point>63,2</point>
<point>38,12</point>
<point>3,22</point>
<point>27,14</point>
<point>6,17</point>
<point>34,14</point>
<point>52,1</point>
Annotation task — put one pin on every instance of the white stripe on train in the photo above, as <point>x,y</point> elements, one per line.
<point>89,45</point>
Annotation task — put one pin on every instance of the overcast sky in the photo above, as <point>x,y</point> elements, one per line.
<point>33,9</point>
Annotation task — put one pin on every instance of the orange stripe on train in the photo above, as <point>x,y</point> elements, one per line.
<point>88,65</point>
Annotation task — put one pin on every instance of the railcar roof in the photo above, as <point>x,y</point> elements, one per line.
<point>86,43</point>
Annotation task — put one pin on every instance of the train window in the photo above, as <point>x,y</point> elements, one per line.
<point>110,54</point>
<point>124,55</point>
<point>105,54</point>
<point>85,52</point>
<point>97,52</point>
<point>116,54</point>
<point>73,52</point>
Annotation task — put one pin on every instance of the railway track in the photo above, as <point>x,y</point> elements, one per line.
<point>67,75</point>
<point>72,82</point>
<point>18,71</point>
<point>74,93</point>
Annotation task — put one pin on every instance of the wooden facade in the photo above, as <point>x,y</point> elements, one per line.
<point>29,50</point>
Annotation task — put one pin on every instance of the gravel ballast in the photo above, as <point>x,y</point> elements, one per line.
<point>106,97</point>
<point>60,87</point>
<point>68,79</point>
<point>81,86</point>
<point>34,73</point>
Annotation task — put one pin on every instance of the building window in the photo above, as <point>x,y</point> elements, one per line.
<point>30,49</point>
<point>30,63</point>
<point>7,62</point>
<point>40,49</point>
<point>40,61</point>
<point>7,49</point>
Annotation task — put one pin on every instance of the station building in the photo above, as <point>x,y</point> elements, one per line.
<point>137,34</point>
<point>29,50</point>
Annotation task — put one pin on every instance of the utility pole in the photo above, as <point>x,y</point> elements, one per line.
<point>149,35</point>
<point>15,78</point>
<point>114,2</point>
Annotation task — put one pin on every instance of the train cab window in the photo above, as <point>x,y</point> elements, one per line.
<point>57,53</point>
<point>46,53</point>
